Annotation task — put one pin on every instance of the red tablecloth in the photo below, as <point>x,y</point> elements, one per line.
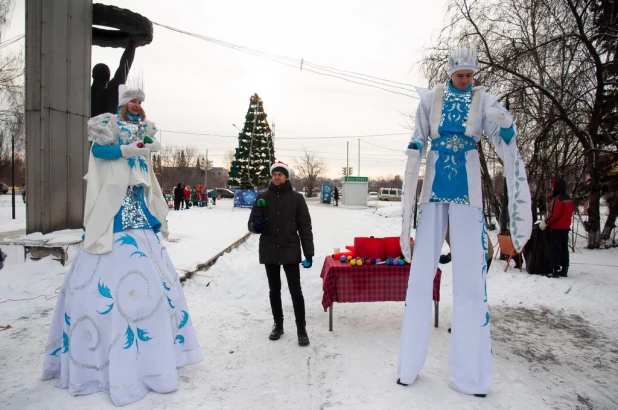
<point>343,283</point>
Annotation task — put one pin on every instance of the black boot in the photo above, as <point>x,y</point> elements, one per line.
<point>303,339</point>
<point>445,258</point>
<point>563,271</point>
<point>277,331</point>
<point>553,274</point>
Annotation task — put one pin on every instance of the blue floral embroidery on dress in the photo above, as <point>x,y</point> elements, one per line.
<point>184,320</point>
<point>65,342</point>
<point>486,319</point>
<point>166,287</point>
<point>139,253</point>
<point>67,319</point>
<point>130,337</point>
<point>127,240</point>
<point>105,292</point>
<point>143,335</point>
<point>131,162</point>
<point>180,339</point>
<point>169,301</point>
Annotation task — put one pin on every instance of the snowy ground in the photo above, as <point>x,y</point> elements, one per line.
<point>554,340</point>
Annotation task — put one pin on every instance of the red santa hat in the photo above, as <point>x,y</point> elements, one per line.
<point>280,167</point>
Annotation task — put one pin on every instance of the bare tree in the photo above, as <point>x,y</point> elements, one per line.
<point>552,59</point>
<point>11,98</point>
<point>310,167</point>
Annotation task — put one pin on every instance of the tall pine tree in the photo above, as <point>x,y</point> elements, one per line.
<point>250,168</point>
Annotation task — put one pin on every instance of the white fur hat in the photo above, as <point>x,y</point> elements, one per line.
<point>462,59</point>
<point>128,95</point>
<point>280,167</point>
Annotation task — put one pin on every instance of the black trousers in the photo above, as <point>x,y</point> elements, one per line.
<point>177,204</point>
<point>292,273</point>
<point>336,201</point>
<point>559,249</point>
<point>187,203</point>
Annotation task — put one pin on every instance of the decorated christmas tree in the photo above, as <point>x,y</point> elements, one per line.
<point>250,168</point>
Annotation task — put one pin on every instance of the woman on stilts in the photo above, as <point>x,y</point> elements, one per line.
<point>121,324</point>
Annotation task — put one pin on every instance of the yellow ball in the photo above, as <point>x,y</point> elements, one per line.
<point>349,257</point>
<point>359,262</point>
<point>352,262</point>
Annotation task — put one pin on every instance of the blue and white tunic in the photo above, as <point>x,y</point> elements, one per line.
<point>449,124</point>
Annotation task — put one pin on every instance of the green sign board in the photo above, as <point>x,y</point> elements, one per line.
<point>355,179</point>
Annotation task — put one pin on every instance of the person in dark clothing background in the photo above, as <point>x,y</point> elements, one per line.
<point>282,218</point>
<point>336,196</point>
<point>179,196</point>
<point>559,222</point>
<point>104,92</point>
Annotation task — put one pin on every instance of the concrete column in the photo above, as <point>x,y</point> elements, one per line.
<point>58,44</point>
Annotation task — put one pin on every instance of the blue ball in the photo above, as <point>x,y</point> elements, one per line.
<point>401,262</point>
<point>343,259</point>
<point>378,260</point>
<point>388,261</point>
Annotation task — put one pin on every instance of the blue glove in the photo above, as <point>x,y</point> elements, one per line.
<point>259,224</point>
<point>307,262</point>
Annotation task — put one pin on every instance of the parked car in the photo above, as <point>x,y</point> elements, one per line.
<point>225,193</point>
<point>4,188</point>
<point>390,194</point>
<point>372,196</point>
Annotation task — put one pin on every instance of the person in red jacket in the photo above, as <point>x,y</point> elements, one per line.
<point>559,222</point>
<point>187,193</point>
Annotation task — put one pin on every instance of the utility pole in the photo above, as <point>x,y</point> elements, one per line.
<point>13,171</point>
<point>347,160</point>
<point>358,158</point>
<point>206,171</point>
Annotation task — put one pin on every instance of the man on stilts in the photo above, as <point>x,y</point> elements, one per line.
<point>453,116</point>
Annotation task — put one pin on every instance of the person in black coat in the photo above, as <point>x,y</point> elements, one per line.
<point>179,196</point>
<point>282,218</point>
<point>336,196</point>
<point>104,92</point>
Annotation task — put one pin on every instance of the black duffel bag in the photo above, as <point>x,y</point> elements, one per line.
<point>537,252</point>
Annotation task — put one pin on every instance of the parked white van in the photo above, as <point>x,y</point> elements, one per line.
<point>390,194</point>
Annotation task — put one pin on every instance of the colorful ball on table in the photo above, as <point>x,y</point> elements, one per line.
<point>349,257</point>
<point>368,262</point>
<point>378,260</point>
<point>359,262</point>
<point>352,262</point>
<point>343,258</point>
<point>388,261</point>
<point>401,262</point>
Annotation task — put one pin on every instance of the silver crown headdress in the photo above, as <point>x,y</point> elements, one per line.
<point>462,58</point>
<point>128,95</point>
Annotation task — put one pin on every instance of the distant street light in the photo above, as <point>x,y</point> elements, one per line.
<point>237,127</point>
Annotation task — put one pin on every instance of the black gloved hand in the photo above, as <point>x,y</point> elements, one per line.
<point>259,224</point>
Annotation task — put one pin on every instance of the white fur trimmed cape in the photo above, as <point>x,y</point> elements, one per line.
<point>107,186</point>
<point>428,117</point>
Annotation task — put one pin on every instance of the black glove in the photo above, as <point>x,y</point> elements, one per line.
<point>259,224</point>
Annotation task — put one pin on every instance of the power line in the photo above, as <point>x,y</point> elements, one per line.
<point>299,63</point>
<point>11,41</point>
<point>289,138</point>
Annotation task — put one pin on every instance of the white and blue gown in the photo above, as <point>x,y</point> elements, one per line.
<point>121,323</point>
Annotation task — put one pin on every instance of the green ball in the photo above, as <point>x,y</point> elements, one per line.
<point>261,203</point>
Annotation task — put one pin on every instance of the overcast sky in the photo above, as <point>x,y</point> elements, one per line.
<point>196,86</point>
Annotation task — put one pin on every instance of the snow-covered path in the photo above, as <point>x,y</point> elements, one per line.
<point>554,340</point>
